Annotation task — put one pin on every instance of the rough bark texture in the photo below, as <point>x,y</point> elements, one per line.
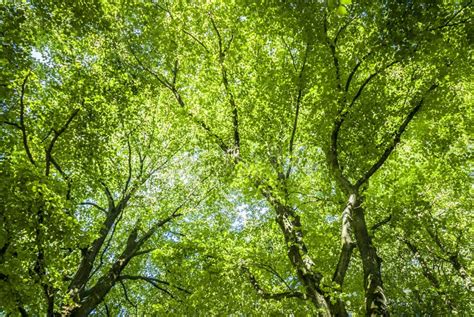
<point>290,226</point>
<point>89,255</point>
<point>96,294</point>
<point>347,247</point>
<point>376,302</point>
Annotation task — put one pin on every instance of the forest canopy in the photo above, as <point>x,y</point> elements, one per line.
<point>236,158</point>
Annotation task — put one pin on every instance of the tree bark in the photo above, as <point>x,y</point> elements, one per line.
<point>96,294</point>
<point>347,247</point>
<point>297,252</point>
<point>376,302</point>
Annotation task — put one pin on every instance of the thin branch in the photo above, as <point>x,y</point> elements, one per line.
<point>197,41</point>
<point>179,99</point>
<point>270,269</point>
<point>109,196</point>
<point>125,292</point>
<point>129,162</point>
<point>94,205</point>
<point>164,9</point>
<point>425,270</point>
<point>380,223</point>
<point>395,141</point>
<point>291,55</point>
<point>217,32</point>
<point>64,175</point>
<point>332,47</point>
<point>107,245</point>
<point>364,84</point>
<point>22,120</point>
<point>220,142</point>
<point>57,134</point>
<point>162,81</point>
<point>342,29</point>
<point>354,70</point>
<point>451,18</point>
<point>428,273</point>
<point>107,311</point>
<point>153,280</point>
<point>298,103</point>
<point>266,295</point>
<point>148,280</point>
<point>453,259</point>
<point>47,135</point>
<point>436,239</point>
<point>12,124</point>
<point>225,81</point>
<point>159,224</point>
<point>175,73</point>
<point>172,216</point>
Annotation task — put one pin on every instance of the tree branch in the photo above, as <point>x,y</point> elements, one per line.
<point>395,141</point>
<point>225,81</point>
<point>197,41</point>
<point>12,124</point>
<point>179,99</point>
<point>297,111</point>
<point>129,162</point>
<point>153,281</point>
<point>265,295</point>
<point>347,245</point>
<point>270,269</point>
<point>354,70</point>
<point>22,120</point>
<point>125,292</point>
<point>453,259</point>
<point>336,38</point>
<point>162,81</point>
<point>426,272</point>
<point>57,134</point>
<point>333,158</point>
<point>293,61</point>
<point>364,84</point>
<point>64,175</point>
<point>86,203</point>
<point>109,196</point>
<point>380,224</point>
<point>107,311</point>
<point>107,245</point>
<point>448,20</point>
<point>332,47</point>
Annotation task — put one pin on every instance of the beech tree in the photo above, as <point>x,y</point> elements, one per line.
<point>236,157</point>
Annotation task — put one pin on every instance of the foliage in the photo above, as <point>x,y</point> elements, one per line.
<point>236,158</point>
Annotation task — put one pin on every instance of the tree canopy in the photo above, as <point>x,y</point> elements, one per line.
<point>236,158</point>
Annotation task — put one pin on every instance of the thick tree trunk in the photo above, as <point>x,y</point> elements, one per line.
<point>93,297</point>
<point>290,225</point>
<point>454,259</point>
<point>376,302</point>
<point>347,246</point>
<point>89,255</point>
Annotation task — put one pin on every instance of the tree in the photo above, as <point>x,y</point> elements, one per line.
<point>326,126</point>
<point>89,185</point>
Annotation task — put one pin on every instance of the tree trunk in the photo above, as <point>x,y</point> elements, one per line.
<point>347,246</point>
<point>91,298</point>
<point>290,225</point>
<point>375,300</point>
